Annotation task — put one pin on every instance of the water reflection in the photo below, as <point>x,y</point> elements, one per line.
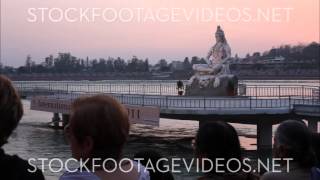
<point>33,139</point>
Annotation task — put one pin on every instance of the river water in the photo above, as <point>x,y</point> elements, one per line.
<point>34,139</point>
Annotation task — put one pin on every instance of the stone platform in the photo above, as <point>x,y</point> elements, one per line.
<point>227,87</point>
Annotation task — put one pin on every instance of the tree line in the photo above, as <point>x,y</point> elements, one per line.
<point>295,53</point>
<point>67,63</point>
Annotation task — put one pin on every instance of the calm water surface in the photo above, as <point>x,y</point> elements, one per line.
<point>33,139</point>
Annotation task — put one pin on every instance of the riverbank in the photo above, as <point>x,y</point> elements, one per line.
<point>253,71</point>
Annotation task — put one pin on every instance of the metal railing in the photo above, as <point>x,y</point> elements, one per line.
<point>282,90</point>
<point>204,103</point>
<point>160,88</point>
<point>133,87</point>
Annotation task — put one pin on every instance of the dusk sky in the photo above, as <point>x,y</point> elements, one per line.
<point>153,39</point>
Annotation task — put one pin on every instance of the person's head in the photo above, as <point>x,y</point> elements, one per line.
<point>316,145</point>
<point>218,140</point>
<point>11,109</point>
<point>293,140</point>
<point>98,128</point>
<point>147,156</point>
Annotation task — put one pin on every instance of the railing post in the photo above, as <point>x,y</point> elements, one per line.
<point>143,89</point>
<point>289,102</point>
<point>129,88</point>
<point>256,91</point>
<point>167,102</point>
<point>142,100</point>
<point>250,102</point>
<point>280,101</point>
<point>122,99</point>
<point>279,91</point>
<point>204,102</point>
<point>160,89</point>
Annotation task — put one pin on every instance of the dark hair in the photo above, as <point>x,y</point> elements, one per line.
<point>153,156</point>
<point>103,119</point>
<point>316,146</point>
<point>296,138</point>
<point>218,140</point>
<point>11,109</point>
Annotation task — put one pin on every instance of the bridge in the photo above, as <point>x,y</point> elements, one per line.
<point>261,105</point>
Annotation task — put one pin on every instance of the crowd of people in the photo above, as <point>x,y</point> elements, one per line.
<point>99,129</point>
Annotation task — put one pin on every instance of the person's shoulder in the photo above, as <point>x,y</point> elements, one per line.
<point>16,168</point>
<point>275,176</point>
<point>78,175</point>
<point>143,172</point>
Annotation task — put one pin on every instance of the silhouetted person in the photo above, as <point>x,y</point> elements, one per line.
<point>316,147</point>
<point>11,111</point>
<point>98,129</point>
<point>293,140</point>
<point>153,157</point>
<point>216,140</point>
<point>180,87</point>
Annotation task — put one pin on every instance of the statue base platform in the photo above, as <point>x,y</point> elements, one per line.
<point>207,86</point>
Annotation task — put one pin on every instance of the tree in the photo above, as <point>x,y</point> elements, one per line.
<point>110,65</point>
<point>256,54</point>
<point>119,65</point>
<point>94,65</point>
<point>195,60</point>
<point>49,62</point>
<point>163,65</point>
<point>311,51</point>
<point>186,64</point>
<point>202,61</point>
<point>28,64</point>
<point>236,57</point>
<point>66,63</point>
<point>273,52</point>
<point>132,64</point>
<point>146,65</point>
<point>87,62</point>
<point>99,66</point>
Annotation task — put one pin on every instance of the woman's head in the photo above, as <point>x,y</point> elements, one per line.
<point>11,109</point>
<point>316,145</point>
<point>98,127</point>
<point>293,140</point>
<point>218,140</point>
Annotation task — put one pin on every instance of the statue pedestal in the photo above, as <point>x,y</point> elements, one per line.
<point>205,86</point>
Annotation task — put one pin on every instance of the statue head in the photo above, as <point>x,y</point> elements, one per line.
<point>220,35</point>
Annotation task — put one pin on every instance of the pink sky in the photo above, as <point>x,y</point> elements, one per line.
<point>153,40</point>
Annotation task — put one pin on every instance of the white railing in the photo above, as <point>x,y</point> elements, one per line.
<point>158,88</point>
<point>207,103</point>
